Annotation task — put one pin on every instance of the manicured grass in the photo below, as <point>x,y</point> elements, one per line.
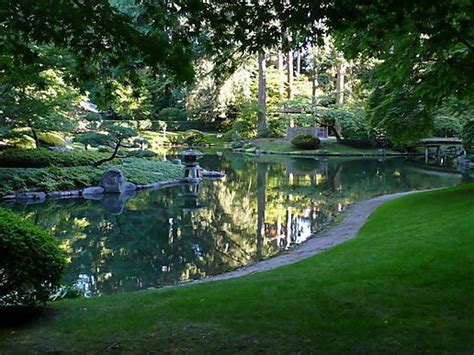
<point>136,170</point>
<point>404,284</point>
<point>280,145</point>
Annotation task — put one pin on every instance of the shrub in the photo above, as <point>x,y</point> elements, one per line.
<point>277,127</point>
<point>51,139</point>
<point>306,141</point>
<point>31,264</point>
<point>172,114</point>
<point>192,137</point>
<point>141,153</point>
<point>246,121</point>
<point>42,158</point>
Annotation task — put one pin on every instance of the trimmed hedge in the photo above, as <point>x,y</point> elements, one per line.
<point>306,141</point>
<point>43,158</point>
<point>31,264</point>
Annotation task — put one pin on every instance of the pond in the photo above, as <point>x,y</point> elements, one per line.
<point>263,207</point>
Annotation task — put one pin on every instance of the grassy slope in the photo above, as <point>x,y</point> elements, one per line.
<point>136,170</point>
<point>281,145</point>
<point>404,284</point>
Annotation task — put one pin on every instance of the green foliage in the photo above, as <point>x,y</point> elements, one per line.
<point>141,142</point>
<point>141,171</point>
<point>119,133</point>
<point>93,139</point>
<point>306,142</point>
<point>446,126</point>
<point>51,139</point>
<point>468,136</point>
<point>141,153</point>
<point>277,126</point>
<point>399,116</point>
<point>246,121</point>
<point>172,114</point>
<point>354,128</point>
<point>42,158</point>
<point>31,264</point>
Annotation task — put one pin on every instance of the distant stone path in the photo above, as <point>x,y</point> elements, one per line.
<point>356,216</point>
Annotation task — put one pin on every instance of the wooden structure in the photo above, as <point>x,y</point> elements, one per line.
<point>292,131</point>
<point>454,145</point>
<point>317,131</point>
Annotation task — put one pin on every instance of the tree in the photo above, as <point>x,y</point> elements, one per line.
<point>113,136</point>
<point>289,74</point>
<point>262,95</point>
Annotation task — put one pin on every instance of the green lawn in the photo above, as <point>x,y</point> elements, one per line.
<point>404,284</point>
<point>280,145</point>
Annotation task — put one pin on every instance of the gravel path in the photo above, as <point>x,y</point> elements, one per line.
<point>356,216</point>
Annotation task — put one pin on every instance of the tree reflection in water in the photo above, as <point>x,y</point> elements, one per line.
<point>265,205</point>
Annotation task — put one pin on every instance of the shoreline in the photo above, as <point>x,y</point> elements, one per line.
<point>356,215</point>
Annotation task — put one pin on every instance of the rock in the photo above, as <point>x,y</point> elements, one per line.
<point>212,174</point>
<point>114,182</point>
<point>130,186</point>
<point>115,204</point>
<point>94,190</point>
<point>63,194</point>
<point>59,149</point>
<point>177,161</point>
<point>31,196</point>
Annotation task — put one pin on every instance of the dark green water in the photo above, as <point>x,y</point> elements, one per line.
<point>264,206</point>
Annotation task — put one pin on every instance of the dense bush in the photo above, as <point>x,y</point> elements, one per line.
<point>141,153</point>
<point>31,264</point>
<point>447,126</point>
<point>42,158</point>
<point>468,136</point>
<point>51,139</point>
<point>172,114</point>
<point>246,122</point>
<point>305,141</point>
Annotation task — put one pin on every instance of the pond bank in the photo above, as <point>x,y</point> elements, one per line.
<point>401,286</point>
<point>355,217</point>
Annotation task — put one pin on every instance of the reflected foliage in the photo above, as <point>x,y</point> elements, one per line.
<point>265,205</point>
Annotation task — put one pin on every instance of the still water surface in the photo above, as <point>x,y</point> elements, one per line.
<point>264,206</point>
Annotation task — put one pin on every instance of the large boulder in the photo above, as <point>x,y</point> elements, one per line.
<point>114,182</point>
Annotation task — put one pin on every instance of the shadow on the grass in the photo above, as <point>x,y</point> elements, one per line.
<point>19,316</point>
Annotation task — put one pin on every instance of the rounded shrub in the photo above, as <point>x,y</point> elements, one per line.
<point>51,139</point>
<point>306,141</point>
<point>31,264</point>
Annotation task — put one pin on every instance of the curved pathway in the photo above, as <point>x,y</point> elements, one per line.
<point>356,216</point>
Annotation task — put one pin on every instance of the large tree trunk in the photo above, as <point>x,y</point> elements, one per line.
<point>336,130</point>
<point>35,137</point>
<point>279,61</point>
<point>289,74</point>
<point>262,95</point>
<point>341,72</point>
<point>112,157</point>
<point>314,82</point>
<point>298,62</point>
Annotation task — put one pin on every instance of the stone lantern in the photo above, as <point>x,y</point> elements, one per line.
<point>192,170</point>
